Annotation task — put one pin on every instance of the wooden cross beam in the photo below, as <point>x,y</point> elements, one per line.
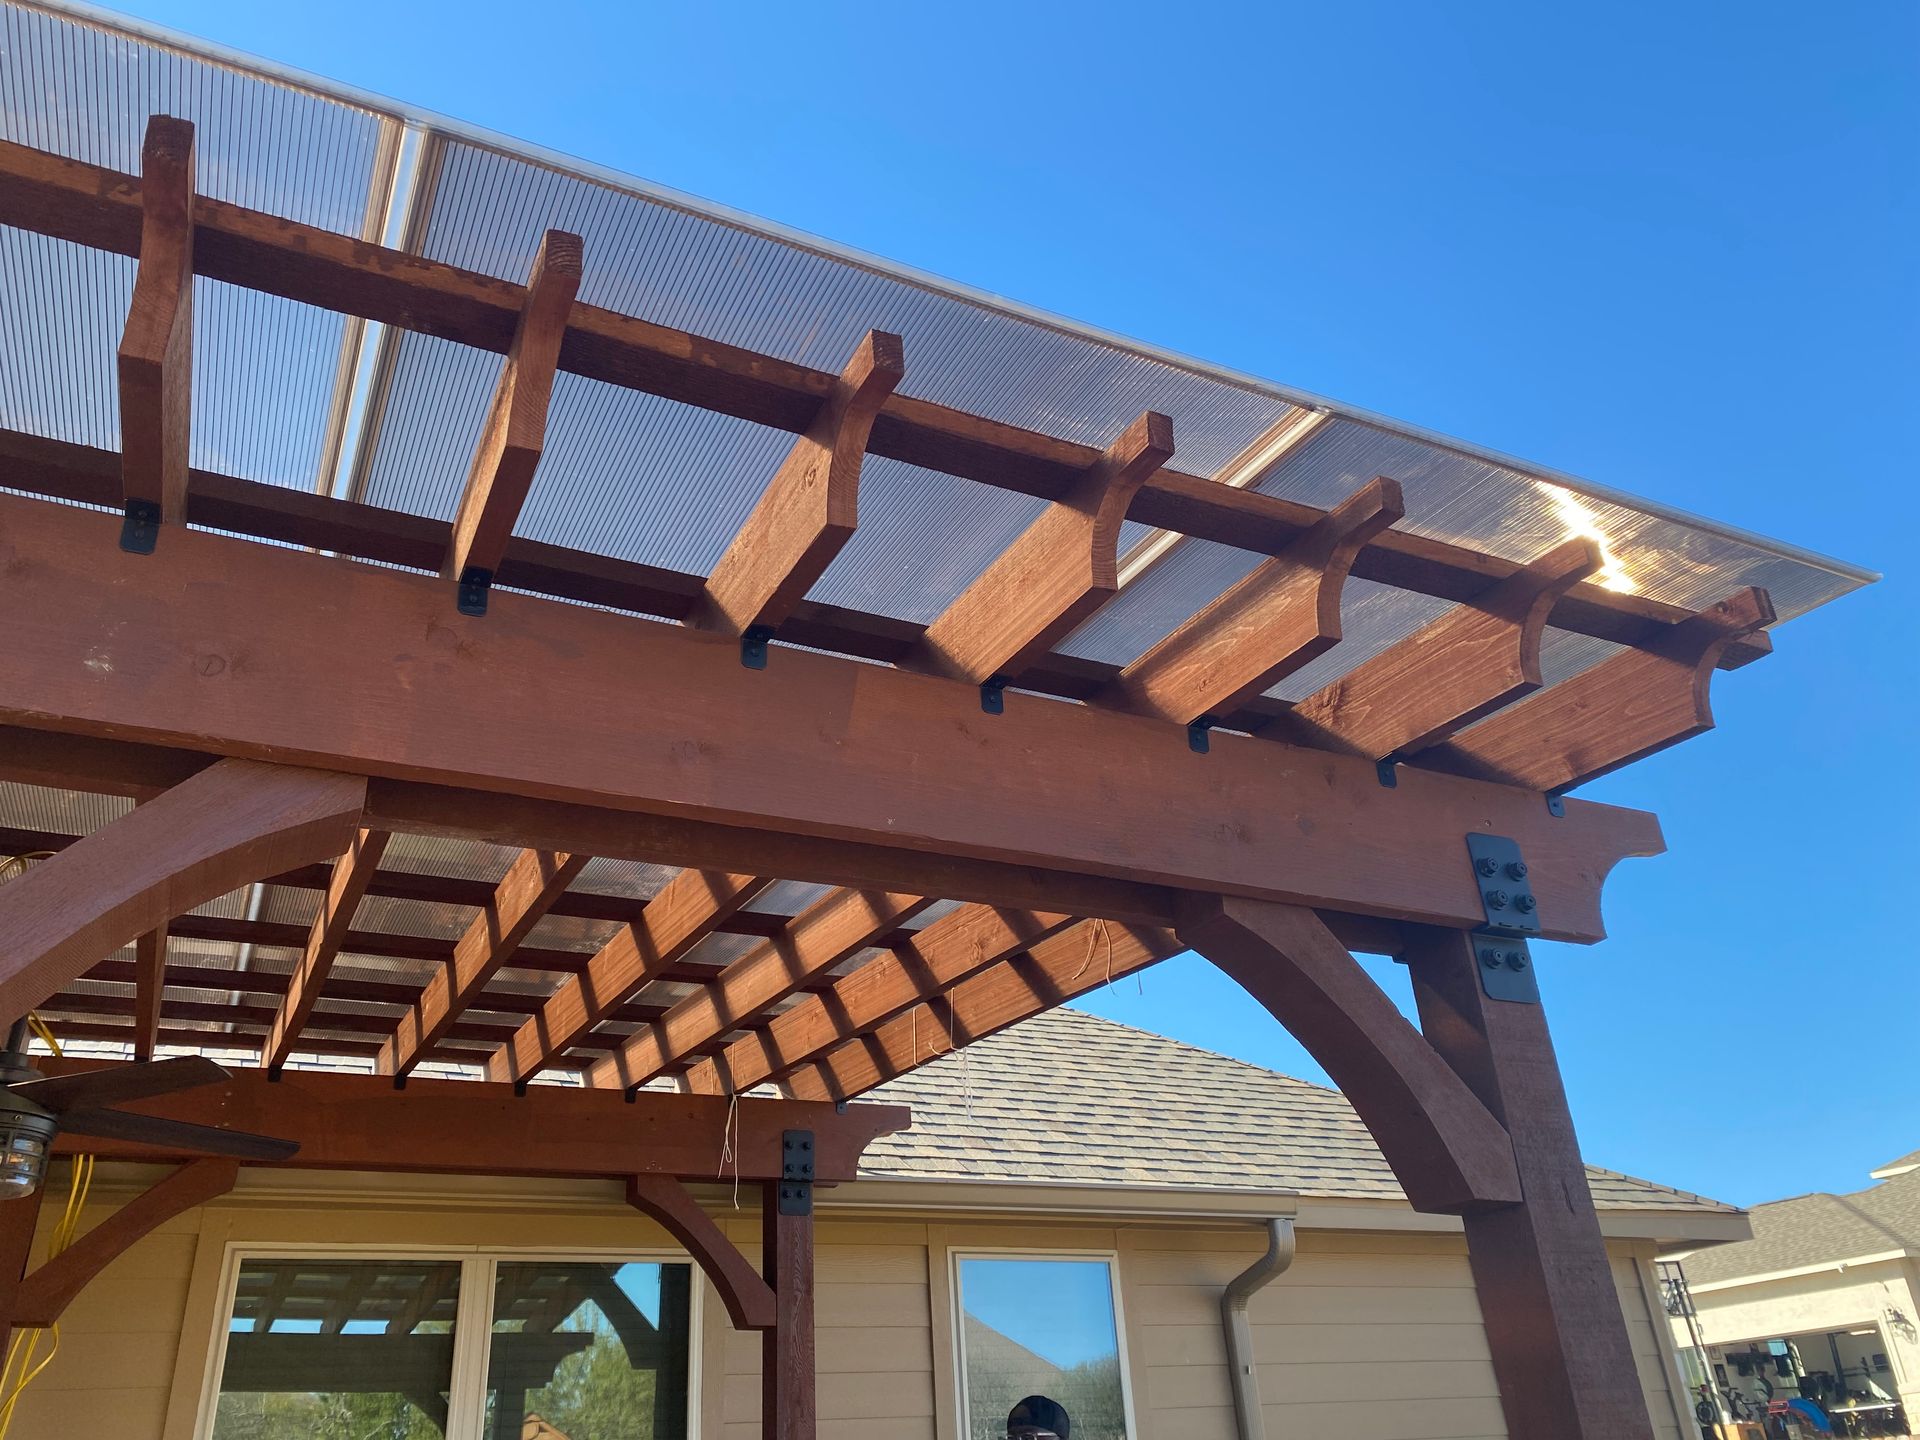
<point>351,873</point>
<point>156,348</point>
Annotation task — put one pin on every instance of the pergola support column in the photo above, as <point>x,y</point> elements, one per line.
<point>787,1350</point>
<point>1554,1326</point>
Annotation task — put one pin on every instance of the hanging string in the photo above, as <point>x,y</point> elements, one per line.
<point>729,1149</point>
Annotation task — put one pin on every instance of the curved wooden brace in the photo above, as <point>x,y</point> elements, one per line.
<point>1446,675</point>
<point>1064,566</point>
<point>810,506</point>
<point>1446,1148</point>
<point>1619,711</point>
<point>1282,614</point>
<point>45,1294</point>
<point>748,1298</point>
<point>155,360</point>
<point>232,823</point>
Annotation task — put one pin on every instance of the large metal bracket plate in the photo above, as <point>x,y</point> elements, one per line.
<point>1507,900</point>
<point>796,1172</point>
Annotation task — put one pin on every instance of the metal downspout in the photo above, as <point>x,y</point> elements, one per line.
<point>1249,1424</point>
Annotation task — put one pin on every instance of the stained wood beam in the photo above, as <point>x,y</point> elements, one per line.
<point>45,1294</point>
<point>1049,974</point>
<point>658,731</point>
<point>470,1127</point>
<point>351,873</point>
<point>533,882</point>
<point>1620,710</point>
<point>939,957</point>
<point>155,361</point>
<point>90,205</point>
<point>516,428</point>
<point>1064,566</point>
<point>1282,614</point>
<point>748,1297</point>
<point>833,929</point>
<point>810,507</point>
<point>683,914</point>
<point>221,829</point>
<point>1448,674</point>
<point>1447,1150</point>
<point>150,966</point>
<point>788,1368</point>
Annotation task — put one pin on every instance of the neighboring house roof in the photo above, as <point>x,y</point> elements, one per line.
<point>1818,1229</point>
<point>1908,1161</point>
<point>998,1352</point>
<point>1070,1098</point>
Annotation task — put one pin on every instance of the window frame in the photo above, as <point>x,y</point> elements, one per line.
<point>473,1317</point>
<point>957,1254</point>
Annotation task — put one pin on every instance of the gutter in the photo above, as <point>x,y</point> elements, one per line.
<point>1249,1423</point>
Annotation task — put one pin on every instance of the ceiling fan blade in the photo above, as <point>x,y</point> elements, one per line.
<point>177,1134</point>
<point>118,1084</point>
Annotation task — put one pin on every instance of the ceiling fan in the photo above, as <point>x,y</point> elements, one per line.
<point>35,1107</point>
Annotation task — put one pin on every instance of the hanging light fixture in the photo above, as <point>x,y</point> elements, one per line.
<point>26,1133</point>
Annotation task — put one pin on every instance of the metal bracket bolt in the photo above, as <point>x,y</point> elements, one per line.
<point>140,527</point>
<point>993,695</point>
<point>475,583</point>
<point>753,646</point>
<point>1197,735</point>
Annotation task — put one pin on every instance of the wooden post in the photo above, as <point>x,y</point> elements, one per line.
<point>18,1218</point>
<point>1552,1314</point>
<point>786,1351</point>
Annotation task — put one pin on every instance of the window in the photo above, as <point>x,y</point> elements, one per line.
<point>471,1348</point>
<point>1039,1345</point>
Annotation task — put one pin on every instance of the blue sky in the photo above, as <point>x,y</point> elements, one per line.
<point>1667,247</point>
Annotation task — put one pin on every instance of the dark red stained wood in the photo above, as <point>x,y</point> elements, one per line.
<point>18,1219</point>
<point>1052,972</point>
<point>1621,710</point>
<point>1448,674</point>
<point>471,1127</point>
<point>749,1299</point>
<point>811,505</point>
<point>532,884</point>
<point>589,708</point>
<point>228,825</point>
<point>45,1294</point>
<point>1064,566</point>
<point>351,874</point>
<point>1446,1149</point>
<point>678,918</point>
<point>1560,1347</point>
<point>1278,617</point>
<point>156,348</point>
<point>93,206</point>
<point>826,933</point>
<point>787,1366</point>
<point>516,428</point>
<point>150,964</point>
<point>932,962</point>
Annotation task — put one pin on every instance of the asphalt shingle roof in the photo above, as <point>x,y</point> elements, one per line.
<point>1071,1098</point>
<point>1819,1229</point>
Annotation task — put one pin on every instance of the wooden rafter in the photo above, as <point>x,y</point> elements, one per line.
<point>811,505</point>
<point>516,427</point>
<point>826,933</point>
<point>94,206</point>
<point>1048,974</point>
<point>150,968</point>
<point>533,882</point>
<point>939,957</point>
<point>1063,567</point>
<point>351,874</point>
<point>1275,619</point>
<point>1446,675</point>
<point>678,918</point>
<point>156,348</point>
<point>1621,710</point>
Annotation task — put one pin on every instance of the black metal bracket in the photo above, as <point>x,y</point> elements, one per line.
<point>1387,772</point>
<point>140,527</point>
<point>1512,915</point>
<point>1197,735</point>
<point>1556,805</point>
<point>796,1172</point>
<point>993,695</point>
<point>475,583</point>
<point>753,646</point>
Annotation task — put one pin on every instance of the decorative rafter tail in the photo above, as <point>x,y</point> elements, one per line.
<point>1050,973</point>
<point>1281,615</point>
<point>1448,674</point>
<point>810,507</point>
<point>156,348</point>
<point>149,990</point>
<point>1061,569</point>
<point>831,930</point>
<point>515,432</point>
<point>352,873</point>
<point>1622,709</point>
<point>948,951</point>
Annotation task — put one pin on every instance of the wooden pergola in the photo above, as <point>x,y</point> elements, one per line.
<point>282,711</point>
